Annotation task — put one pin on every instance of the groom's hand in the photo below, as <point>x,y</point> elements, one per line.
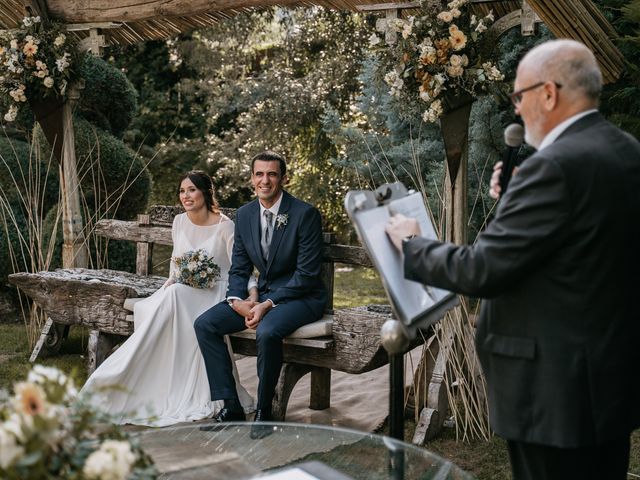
<point>256,313</point>
<point>243,307</point>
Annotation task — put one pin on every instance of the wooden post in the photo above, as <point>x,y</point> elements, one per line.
<point>74,248</point>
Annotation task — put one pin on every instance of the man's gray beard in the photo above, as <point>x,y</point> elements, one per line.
<point>531,141</point>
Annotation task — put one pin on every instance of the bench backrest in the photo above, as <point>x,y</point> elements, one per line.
<point>154,227</point>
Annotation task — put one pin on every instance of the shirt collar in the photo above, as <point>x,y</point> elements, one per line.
<point>553,135</point>
<point>274,208</point>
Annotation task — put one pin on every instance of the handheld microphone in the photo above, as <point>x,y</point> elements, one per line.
<point>513,138</point>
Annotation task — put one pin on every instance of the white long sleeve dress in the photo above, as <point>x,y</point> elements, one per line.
<point>159,372</point>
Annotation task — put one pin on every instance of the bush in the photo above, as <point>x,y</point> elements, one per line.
<point>108,99</point>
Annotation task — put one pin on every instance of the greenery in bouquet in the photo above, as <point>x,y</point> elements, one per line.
<point>196,269</point>
<point>437,55</point>
<point>36,60</point>
<point>48,432</point>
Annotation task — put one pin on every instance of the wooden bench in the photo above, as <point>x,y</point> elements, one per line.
<point>103,301</point>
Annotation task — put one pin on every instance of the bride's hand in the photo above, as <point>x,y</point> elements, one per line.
<point>170,281</point>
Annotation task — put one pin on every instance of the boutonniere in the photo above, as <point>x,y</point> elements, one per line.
<point>281,220</point>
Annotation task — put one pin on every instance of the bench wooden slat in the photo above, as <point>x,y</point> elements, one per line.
<point>321,343</point>
<point>123,230</point>
<point>134,232</point>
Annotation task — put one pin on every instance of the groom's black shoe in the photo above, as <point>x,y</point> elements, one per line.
<point>259,429</point>
<point>228,415</point>
<point>225,415</point>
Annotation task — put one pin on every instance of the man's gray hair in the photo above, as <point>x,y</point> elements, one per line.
<point>569,63</point>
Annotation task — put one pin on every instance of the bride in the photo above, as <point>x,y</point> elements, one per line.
<point>157,377</point>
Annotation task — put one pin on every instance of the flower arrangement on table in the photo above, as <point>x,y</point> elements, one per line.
<point>196,269</point>
<point>47,432</point>
<point>437,52</point>
<point>36,60</point>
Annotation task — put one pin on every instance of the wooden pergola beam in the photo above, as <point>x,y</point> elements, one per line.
<point>83,11</point>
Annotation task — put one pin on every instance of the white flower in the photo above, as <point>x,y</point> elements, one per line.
<point>455,71</point>
<point>439,78</point>
<point>490,16</point>
<point>455,60</point>
<point>60,39</point>
<point>481,27</point>
<point>374,40</point>
<point>433,113</point>
<point>424,95</point>
<point>445,16</point>
<point>14,44</point>
<point>11,115</point>
<point>192,266</point>
<point>112,461</point>
<point>10,451</point>
<point>473,20</point>
<point>492,72</point>
<point>27,22</point>
<point>63,62</point>
<point>18,94</point>
<point>455,12</point>
<point>407,28</point>
<point>41,374</point>
<point>281,220</point>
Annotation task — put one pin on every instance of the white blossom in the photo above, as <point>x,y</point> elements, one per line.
<point>112,461</point>
<point>60,39</point>
<point>433,113</point>
<point>374,40</point>
<point>10,451</point>
<point>63,62</point>
<point>48,82</point>
<point>481,27</point>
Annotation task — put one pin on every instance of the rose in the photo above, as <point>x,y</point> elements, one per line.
<point>446,17</point>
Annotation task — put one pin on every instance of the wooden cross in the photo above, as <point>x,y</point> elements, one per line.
<point>94,43</point>
<point>392,11</point>
<point>525,17</point>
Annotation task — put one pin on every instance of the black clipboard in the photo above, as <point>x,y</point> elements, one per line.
<point>417,306</point>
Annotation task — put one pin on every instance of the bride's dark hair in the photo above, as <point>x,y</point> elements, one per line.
<point>202,182</point>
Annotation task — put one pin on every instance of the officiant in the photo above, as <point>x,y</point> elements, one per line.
<point>557,269</point>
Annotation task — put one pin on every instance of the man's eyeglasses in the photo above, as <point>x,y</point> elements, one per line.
<point>516,97</point>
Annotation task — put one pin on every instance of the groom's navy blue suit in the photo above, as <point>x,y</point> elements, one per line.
<point>290,278</point>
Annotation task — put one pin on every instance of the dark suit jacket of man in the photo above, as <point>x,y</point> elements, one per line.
<point>559,339</point>
<point>295,255</point>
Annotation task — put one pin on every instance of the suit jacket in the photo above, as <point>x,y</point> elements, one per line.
<point>295,255</point>
<point>558,338</point>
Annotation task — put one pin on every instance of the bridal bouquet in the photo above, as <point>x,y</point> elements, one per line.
<point>47,432</point>
<point>196,269</point>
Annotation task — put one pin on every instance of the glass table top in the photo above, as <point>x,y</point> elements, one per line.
<point>290,451</point>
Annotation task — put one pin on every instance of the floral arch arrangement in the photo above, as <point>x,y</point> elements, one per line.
<point>36,61</point>
<point>437,56</point>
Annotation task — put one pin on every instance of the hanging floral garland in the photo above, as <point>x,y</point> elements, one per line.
<point>36,61</point>
<point>438,52</point>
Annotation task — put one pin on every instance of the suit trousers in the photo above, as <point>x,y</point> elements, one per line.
<point>221,320</point>
<point>531,461</point>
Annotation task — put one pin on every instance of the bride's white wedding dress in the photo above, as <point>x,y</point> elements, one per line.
<point>159,371</point>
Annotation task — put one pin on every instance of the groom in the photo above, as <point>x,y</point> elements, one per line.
<point>281,237</point>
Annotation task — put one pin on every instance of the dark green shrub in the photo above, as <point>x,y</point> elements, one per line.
<point>108,99</point>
